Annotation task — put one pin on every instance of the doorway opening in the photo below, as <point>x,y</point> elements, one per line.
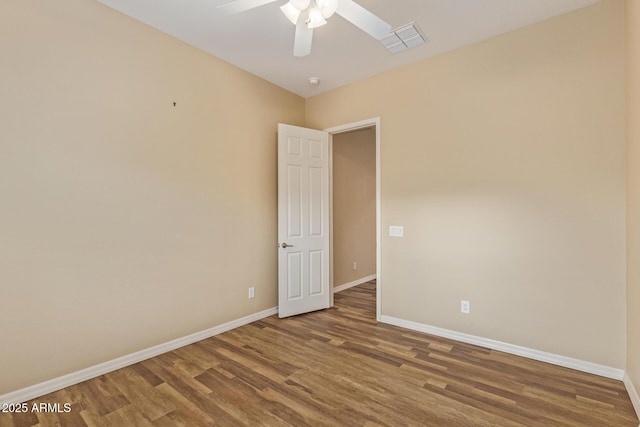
<point>355,206</point>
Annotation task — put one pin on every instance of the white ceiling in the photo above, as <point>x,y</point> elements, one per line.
<point>261,40</point>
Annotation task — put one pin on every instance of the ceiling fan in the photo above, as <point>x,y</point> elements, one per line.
<point>309,14</point>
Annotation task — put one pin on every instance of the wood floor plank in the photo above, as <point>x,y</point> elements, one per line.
<point>192,390</point>
<point>188,413</point>
<point>337,367</point>
<point>142,395</point>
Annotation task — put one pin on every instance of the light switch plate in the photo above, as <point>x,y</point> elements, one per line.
<point>396,231</point>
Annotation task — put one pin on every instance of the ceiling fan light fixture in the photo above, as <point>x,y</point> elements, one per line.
<point>327,7</point>
<point>315,18</point>
<point>300,4</point>
<point>291,12</point>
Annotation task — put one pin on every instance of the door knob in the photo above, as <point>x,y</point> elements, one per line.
<point>286,245</point>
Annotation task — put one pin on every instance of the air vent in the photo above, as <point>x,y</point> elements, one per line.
<point>404,38</point>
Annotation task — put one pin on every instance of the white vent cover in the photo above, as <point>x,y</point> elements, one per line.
<point>404,38</point>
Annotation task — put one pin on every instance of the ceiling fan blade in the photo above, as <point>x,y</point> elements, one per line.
<point>304,37</point>
<point>238,6</point>
<point>363,19</point>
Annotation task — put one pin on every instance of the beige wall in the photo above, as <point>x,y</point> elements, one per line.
<point>126,222</point>
<point>633,190</point>
<point>504,161</point>
<point>354,205</point>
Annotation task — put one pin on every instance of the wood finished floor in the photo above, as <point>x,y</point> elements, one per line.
<point>337,367</point>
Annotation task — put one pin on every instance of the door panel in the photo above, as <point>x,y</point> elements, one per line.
<point>294,201</point>
<point>316,272</point>
<point>303,220</point>
<point>316,204</point>
<point>294,275</point>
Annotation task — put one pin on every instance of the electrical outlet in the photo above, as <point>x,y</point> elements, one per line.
<point>396,231</point>
<point>465,307</point>
<point>252,292</point>
<point>355,265</point>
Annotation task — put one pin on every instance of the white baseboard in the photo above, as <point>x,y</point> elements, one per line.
<point>633,393</point>
<point>346,286</point>
<point>555,359</point>
<point>55,384</point>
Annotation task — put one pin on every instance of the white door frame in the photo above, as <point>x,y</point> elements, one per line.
<point>373,122</point>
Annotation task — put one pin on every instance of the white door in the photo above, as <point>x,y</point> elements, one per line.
<point>303,220</point>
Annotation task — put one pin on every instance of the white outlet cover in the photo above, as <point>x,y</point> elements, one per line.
<point>396,231</point>
<point>465,307</point>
